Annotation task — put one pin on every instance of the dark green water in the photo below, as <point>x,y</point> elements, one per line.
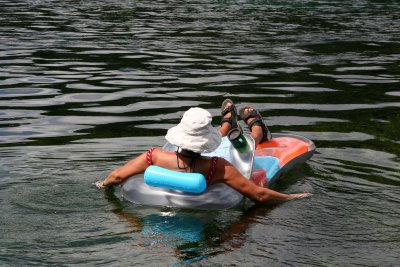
<point>87,85</point>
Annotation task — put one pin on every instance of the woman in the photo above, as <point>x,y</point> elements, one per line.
<point>195,135</point>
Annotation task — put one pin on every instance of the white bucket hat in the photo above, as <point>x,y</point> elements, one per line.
<point>195,132</point>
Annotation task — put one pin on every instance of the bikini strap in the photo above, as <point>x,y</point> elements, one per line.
<point>211,171</point>
<point>149,156</point>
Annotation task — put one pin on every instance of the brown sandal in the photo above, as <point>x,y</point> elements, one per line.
<point>232,120</point>
<point>258,120</point>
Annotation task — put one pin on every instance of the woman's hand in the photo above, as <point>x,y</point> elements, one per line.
<point>99,184</point>
<point>300,195</point>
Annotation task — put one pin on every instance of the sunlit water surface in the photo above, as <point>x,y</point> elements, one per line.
<point>87,85</point>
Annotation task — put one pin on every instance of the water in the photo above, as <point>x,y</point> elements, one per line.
<point>87,85</point>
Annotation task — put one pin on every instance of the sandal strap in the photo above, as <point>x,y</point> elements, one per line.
<point>256,122</point>
<point>228,120</point>
<point>251,114</point>
<point>230,109</point>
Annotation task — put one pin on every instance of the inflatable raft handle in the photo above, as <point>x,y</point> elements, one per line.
<point>182,181</point>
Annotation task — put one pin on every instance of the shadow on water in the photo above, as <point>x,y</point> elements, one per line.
<point>194,235</point>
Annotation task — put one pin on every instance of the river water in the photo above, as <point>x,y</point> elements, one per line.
<point>87,85</point>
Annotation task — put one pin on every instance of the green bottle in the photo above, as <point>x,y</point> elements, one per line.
<point>238,140</point>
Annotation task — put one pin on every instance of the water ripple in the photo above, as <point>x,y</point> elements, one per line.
<point>86,85</point>
<point>27,91</point>
<point>143,106</point>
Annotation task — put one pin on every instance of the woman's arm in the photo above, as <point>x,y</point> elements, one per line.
<point>229,175</point>
<point>135,166</point>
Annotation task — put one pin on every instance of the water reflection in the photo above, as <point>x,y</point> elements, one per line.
<point>194,235</point>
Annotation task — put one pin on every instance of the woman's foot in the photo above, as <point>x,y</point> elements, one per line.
<point>229,117</point>
<point>256,124</point>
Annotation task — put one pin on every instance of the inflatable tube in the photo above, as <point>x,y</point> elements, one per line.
<point>215,197</point>
<point>263,165</point>
<point>274,158</point>
<point>182,181</point>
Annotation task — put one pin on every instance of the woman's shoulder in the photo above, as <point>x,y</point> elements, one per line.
<point>158,151</point>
